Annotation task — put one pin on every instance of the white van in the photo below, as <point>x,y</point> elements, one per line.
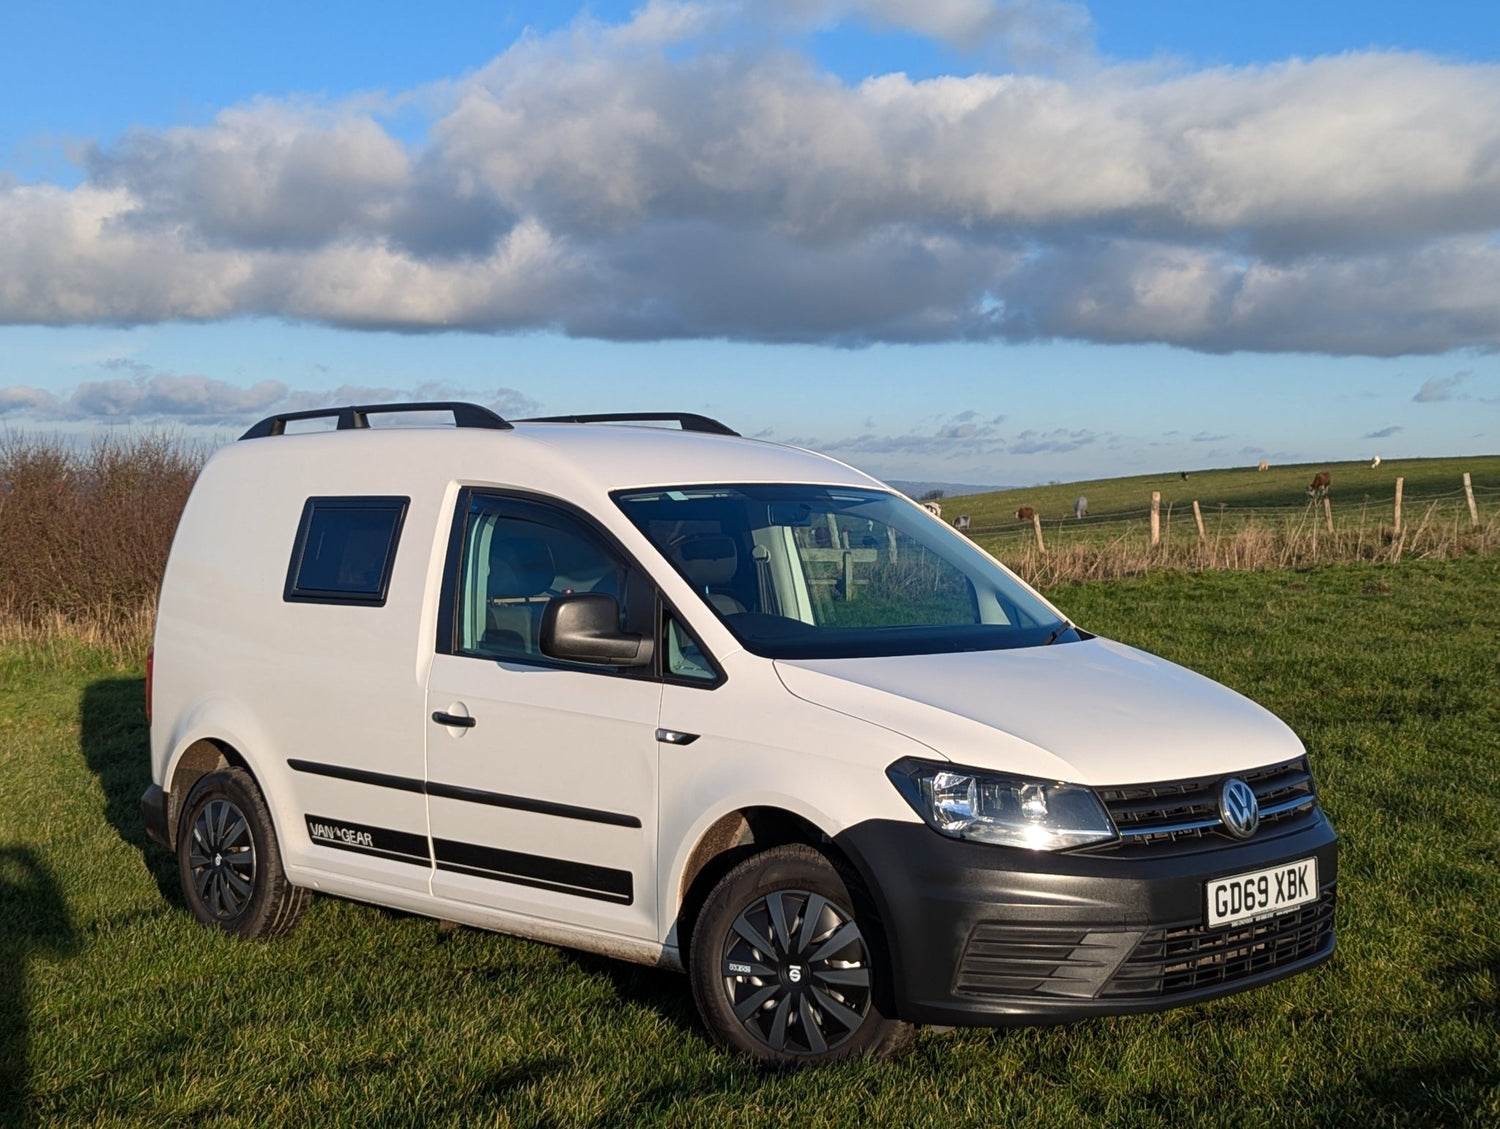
<point>699,701</point>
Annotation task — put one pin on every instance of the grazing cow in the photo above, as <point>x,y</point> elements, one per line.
<point>934,508</point>
<point>1263,465</point>
<point>1080,506</point>
<point>1182,474</point>
<point>1025,513</point>
<point>1375,462</point>
<point>961,521</point>
<point>1318,488</point>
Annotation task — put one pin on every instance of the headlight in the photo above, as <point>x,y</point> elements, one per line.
<point>989,807</point>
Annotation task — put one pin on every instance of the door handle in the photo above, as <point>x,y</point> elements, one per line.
<point>453,719</point>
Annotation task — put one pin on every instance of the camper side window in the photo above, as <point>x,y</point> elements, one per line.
<point>345,550</point>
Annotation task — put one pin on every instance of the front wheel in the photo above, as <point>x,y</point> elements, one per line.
<point>229,861</point>
<point>785,967</point>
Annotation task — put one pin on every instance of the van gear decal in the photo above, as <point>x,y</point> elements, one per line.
<point>402,846</point>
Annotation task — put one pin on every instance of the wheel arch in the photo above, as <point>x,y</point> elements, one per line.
<point>202,756</point>
<point>216,731</point>
<point>731,838</point>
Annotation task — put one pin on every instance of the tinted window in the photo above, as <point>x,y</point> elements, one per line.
<point>345,550</point>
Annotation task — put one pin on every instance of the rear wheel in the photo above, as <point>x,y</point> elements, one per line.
<point>786,963</point>
<point>229,861</point>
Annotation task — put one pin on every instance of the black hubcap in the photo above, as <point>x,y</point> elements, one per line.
<point>797,972</point>
<point>221,859</point>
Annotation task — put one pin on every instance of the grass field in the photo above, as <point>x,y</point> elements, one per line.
<point>1355,486</point>
<point>115,1008</point>
<point>1250,520</point>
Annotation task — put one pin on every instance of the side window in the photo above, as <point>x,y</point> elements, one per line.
<point>516,559</point>
<point>684,658</point>
<point>344,550</point>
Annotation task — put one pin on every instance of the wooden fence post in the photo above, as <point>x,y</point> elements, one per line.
<point>1328,512</point>
<point>1156,517</point>
<point>1400,483</point>
<point>1469,493</point>
<point>1036,522</point>
<point>1198,517</point>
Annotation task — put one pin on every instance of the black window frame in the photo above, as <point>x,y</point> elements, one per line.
<point>295,593</point>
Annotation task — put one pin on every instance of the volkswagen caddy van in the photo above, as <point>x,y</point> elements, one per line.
<point>684,698</point>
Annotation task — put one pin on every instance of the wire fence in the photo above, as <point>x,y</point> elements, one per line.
<point>1369,509</point>
<point>1377,527</point>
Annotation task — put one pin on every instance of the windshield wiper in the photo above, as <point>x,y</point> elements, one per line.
<point>1057,631</point>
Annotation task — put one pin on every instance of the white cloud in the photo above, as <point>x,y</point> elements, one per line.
<point>1440,388</point>
<point>960,438</point>
<point>198,400</point>
<point>670,178</point>
<point>265,175</point>
<point>18,398</point>
<point>1027,30</point>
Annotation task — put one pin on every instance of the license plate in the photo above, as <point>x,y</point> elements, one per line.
<point>1262,893</point>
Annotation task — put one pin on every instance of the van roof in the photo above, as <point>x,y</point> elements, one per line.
<point>612,455</point>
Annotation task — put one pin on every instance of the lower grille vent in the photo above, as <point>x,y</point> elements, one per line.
<point>1171,961</point>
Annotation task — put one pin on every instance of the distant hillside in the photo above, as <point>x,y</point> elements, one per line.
<point>1280,486</point>
<point>949,489</point>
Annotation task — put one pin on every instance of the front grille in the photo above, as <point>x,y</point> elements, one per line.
<point>1188,810</point>
<point>1190,957</point>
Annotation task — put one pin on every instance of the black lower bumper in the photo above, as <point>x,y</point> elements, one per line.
<point>990,936</point>
<point>154,815</point>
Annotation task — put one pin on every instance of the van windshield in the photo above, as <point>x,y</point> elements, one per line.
<point>799,571</point>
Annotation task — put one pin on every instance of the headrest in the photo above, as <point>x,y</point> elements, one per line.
<point>521,566</point>
<point>706,558</point>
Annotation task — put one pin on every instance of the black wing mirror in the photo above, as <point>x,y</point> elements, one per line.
<point>585,628</point>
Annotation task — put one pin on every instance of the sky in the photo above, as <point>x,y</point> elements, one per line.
<point>971,241</point>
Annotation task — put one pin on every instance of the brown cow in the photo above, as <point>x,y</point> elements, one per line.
<point>1319,486</point>
<point>1025,513</point>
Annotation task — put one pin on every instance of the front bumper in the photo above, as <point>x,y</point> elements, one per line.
<point>992,936</point>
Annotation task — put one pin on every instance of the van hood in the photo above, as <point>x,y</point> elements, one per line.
<point>1091,712</point>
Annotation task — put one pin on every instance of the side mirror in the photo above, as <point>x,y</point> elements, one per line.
<point>585,628</point>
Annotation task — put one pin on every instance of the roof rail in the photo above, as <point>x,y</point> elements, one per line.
<point>688,421</point>
<point>354,418</point>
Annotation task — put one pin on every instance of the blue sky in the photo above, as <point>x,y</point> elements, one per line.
<point>961,240</point>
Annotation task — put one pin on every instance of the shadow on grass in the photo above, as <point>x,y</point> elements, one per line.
<point>34,920</point>
<point>1449,1091</point>
<point>1477,979</point>
<point>117,746</point>
<point>666,993</point>
<point>504,1082</point>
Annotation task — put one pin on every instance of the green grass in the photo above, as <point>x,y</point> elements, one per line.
<point>115,1008</point>
<point>1355,485</point>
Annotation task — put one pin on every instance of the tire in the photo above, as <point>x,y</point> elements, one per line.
<point>787,963</point>
<point>229,861</point>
